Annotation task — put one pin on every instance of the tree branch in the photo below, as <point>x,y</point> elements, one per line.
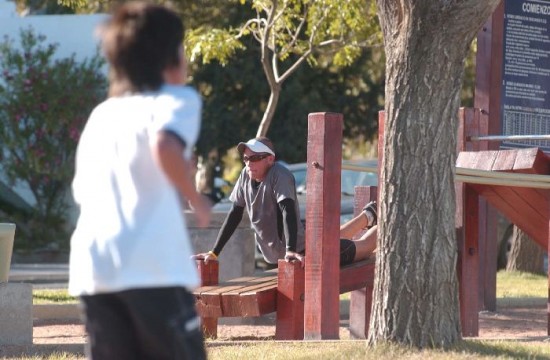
<point>304,56</point>
<point>298,31</point>
<point>294,66</point>
<point>248,24</point>
<point>266,64</point>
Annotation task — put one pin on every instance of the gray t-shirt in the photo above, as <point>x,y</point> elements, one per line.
<point>261,202</point>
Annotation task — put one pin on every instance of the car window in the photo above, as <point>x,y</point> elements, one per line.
<point>300,177</point>
<point>350,179</point>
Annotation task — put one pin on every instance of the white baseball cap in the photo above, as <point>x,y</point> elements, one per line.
<point>257,145</point>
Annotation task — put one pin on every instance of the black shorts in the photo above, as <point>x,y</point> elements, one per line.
<point>155,323</point>
<point>347,252</point>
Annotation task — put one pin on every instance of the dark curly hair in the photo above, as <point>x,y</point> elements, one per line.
<point>140,40</point>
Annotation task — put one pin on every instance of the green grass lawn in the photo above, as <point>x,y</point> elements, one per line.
<point>513,285</point>
<point>52,296</point>
<point>470,349</point>
<point>521,285</point>
<point>351,350</point>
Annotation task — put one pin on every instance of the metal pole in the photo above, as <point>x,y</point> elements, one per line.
<point>508,137</point>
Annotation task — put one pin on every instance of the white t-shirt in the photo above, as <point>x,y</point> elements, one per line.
<point>131,232</point>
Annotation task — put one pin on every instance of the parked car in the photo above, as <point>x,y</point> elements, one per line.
<point>349,180</point>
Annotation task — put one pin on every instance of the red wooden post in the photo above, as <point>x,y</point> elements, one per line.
<point>209,274</point>
<point>467,224</point>
<point>468,265</point>
<point>361,300</point>
<point>324,163</point>
<point>548,298</point>
<point>489,60</point>
<point>290,301</point>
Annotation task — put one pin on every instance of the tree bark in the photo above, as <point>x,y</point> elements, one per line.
<point>525,254</point>
<point>416,288</point>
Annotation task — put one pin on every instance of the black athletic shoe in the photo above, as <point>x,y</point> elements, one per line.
<point>372,208</point>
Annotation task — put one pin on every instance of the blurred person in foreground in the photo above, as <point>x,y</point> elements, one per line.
<point>130,250</point>
<point>268,192</point>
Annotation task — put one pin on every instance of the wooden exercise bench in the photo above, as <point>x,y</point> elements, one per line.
<point>253,296</point>
<point>282,291</point>
<point>306,301</point>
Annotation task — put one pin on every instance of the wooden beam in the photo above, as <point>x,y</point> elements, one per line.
<point>290,302</point>
<point>468,265</point>
<point>467,230</point>
<point>324,159</point>
<point>487,100</point>
<point>361,299</point>
<point>209,274</point>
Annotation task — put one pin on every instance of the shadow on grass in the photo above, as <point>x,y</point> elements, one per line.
<point>513,349</point>
<point>41,351</point>
<point>521,301</point>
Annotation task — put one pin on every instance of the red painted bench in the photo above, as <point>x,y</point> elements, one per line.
<point>279,291</point>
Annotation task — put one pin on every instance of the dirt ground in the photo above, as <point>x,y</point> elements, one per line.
<point>508,323</point>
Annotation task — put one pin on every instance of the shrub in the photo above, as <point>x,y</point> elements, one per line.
<point>44,104</point>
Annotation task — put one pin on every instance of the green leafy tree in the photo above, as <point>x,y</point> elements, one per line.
<point>44,104</point>
<point>42,7</point>
<point>234,97</point>
<point>289,33</point>
<point>51,7</point>
<point>236,94</point>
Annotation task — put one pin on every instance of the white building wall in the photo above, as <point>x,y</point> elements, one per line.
<point>74,34</point>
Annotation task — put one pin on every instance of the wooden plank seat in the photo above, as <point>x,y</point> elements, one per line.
<point>252,296</point>
<point>242,297</point>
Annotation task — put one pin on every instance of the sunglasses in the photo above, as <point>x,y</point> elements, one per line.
<point>254,158</point>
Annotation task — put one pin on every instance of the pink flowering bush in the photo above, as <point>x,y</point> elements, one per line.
<point>44,104</point>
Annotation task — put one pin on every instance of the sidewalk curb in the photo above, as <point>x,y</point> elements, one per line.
<point>56,311</point>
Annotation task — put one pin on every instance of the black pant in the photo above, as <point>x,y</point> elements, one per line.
<point>347,252</point>
<point>156,323</point>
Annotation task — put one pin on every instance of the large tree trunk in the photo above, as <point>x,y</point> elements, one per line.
<point>525,254</point>
<point>416,289</point>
